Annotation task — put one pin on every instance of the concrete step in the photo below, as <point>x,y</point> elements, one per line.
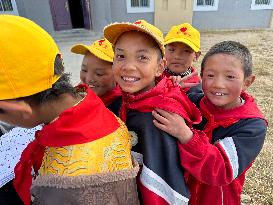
<point>76,35</point>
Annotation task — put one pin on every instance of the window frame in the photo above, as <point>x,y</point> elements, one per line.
<point>205,8</point>
<point>131,9</point>
<point>261,7</point>
<point>14,11</point>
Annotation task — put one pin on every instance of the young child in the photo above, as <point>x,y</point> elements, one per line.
<point>96,72</point>
<point>233,131</point>
<point>182,44</point>
<point>138,61</point>
<point>82,153</point>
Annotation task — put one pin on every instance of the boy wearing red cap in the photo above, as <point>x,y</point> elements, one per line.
<point>182,44</point>
<point>138,62</point>
<point>82,154</point>
<point>96,72</point>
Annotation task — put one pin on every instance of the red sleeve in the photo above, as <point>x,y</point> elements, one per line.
<point>208,163</point>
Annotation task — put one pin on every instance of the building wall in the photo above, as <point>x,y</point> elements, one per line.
<point>119,13</point>
<point>104,12</point>
<point>38,11</point>
<point>172,12</point>
<point>99,14</point>
<point>232,14</point>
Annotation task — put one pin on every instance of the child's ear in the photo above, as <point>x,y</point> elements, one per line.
<point>197,55</point>
<point>161,67</point>
<point>20,107</point>
<point>248,81</point>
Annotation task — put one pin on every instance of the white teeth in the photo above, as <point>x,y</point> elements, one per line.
<point>219,94</point>
<point>130,79</point>
<point>91,86</point>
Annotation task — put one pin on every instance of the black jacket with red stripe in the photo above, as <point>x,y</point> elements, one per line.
<point>161,180</point>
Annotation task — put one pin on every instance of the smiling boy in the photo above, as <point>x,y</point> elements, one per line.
<point>96,72</point>
<point>233,129</point>
<point>138,62</point>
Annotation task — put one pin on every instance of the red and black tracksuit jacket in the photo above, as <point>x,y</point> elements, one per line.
<point>216,159</point>
<point>161,180</point>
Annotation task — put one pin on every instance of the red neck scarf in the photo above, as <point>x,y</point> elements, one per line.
<point>111,96</point>
<point>226,117</point>
<point>76,125</point>
<point>165,96</point>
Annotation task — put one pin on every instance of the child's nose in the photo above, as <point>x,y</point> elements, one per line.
<point>128,65</point>
<point>218,82</point>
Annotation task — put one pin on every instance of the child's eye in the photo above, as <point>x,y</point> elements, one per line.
<point>143,58</point>
<point>1,111</point>
<point>82,70</point>
<point>210,75</point>
<point>230,77</point>
<point>119,56</point>
<point>99,74</point>
<point>171,49</point>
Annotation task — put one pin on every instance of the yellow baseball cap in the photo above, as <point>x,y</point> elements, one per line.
<point>113,31</point>
<point>27,55</point>
<point>184,33</point>
<point>101,48</point>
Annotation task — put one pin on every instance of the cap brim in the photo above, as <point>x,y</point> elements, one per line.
<point>79,49</point>
<point>82,49</point>
<point>181,40</point>
<point>113,31</point>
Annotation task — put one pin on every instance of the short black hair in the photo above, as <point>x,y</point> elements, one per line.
<point>61,86</point>
<point>231,48</point>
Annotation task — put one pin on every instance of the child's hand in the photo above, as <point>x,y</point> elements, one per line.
<point>173,124</point>
<point>178,80</point>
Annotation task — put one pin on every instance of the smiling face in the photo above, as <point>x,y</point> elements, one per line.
<point>97,74</point>
<point>223,80</point>
<point>136,62</point>
<point>179,57</point>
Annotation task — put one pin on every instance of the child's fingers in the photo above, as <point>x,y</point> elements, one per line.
<point>160,126</point>
<point>159,118</point>
<point>164,113</point>
<point>188,85</point>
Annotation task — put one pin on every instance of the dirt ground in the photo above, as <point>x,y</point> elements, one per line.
<point>258,189</point>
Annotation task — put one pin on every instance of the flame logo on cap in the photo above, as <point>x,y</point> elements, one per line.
<point>184,31</point>
<point>101,43</point>
<point>138,22</point>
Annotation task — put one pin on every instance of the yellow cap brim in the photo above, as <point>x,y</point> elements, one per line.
<point>83,49</point>
<point>181,40</point>
<point>113,31</point>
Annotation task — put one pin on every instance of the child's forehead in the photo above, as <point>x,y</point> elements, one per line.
<point>227,61</point>
<point>92,62</point>
<point>134,36</point>
<point>135,41</point>
<point>179,45</point>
